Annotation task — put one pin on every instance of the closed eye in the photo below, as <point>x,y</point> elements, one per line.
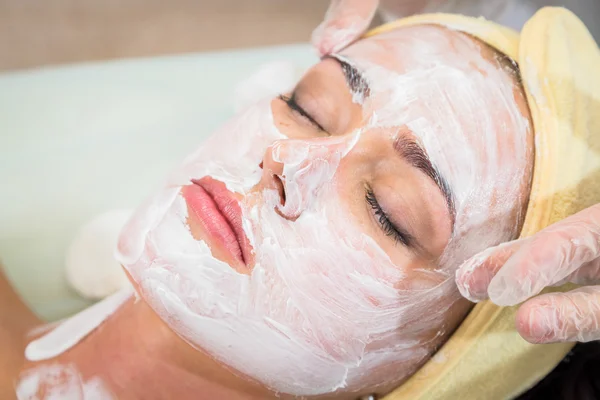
<point>295,107</point>
<point>399,235</point>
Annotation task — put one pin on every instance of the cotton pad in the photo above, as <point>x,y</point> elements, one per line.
<point>91,267</point>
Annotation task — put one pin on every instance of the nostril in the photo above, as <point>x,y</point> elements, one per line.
<point>280,189</point>
<point>278,183</point>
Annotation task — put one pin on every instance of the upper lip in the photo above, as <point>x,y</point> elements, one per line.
<point>228,206</point>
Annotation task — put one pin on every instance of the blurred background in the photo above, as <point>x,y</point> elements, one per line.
<point>46,32</point>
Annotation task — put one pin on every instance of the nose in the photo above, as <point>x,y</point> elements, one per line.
<point>272,172</point>
<point>299,169</point>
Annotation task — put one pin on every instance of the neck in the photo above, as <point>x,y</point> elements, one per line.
<point>134,355</point>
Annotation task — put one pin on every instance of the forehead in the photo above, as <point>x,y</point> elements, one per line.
<point>446,87</point>
<point>417,47</point>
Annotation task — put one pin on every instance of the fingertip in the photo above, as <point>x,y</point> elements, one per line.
<point>327,47</point>
<point>331,39</point>
<point>471,284</point>
<point>344,22</point>
<point>316,39</point>
<point>525,322</point>
<point>474,276</point>
<point>320,38</point>
<point>536,323</point>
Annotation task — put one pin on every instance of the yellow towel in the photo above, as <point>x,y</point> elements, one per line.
<point>560,66</point>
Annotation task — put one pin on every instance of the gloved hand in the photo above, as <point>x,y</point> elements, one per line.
<point>345,21</point>
<point>508,274</point>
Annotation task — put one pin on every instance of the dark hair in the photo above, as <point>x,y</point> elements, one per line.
<point>509,65</point>
<point>577,377</point>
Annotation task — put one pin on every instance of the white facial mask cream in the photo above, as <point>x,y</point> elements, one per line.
<point>320,308</point>
<point>70,331</point>
<point>324,306</point>
<point>60,382</point>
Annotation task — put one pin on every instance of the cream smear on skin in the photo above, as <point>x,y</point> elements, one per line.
<point>69,332</point>
<point>60,382</point>
<point>322,309</point>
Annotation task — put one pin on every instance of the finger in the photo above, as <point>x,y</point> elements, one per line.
<point>561,317</point>
<point>548,257</point>
<point>475,274</point>
<point>345,21</point>
<point>587,274</point>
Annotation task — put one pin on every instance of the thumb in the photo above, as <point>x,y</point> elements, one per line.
<point>344,22</point>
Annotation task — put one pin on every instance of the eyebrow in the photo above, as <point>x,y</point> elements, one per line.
<point>354,78</point>
<point>414,154</point>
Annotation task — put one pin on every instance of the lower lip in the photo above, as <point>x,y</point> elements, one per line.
<point>215,228</point>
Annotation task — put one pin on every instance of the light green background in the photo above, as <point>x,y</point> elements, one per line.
<point>79,140</point>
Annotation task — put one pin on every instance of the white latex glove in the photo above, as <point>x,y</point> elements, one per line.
<point>344,22</point>
<point>513,272</point>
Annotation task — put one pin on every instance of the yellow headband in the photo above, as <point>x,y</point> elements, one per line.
<point>560,67</point>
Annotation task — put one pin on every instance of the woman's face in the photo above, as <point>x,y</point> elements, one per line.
<point>311,243</point>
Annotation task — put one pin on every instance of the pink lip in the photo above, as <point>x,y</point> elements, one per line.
<point>217,211</point>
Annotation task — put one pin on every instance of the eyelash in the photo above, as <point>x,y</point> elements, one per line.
<point>294,106</point>
<point>388,227</point>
